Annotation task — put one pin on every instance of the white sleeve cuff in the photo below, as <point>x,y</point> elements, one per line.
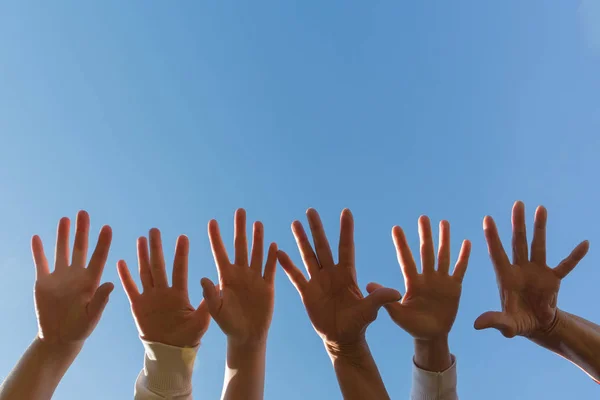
<point>167,371</point>
<point>428,385</point>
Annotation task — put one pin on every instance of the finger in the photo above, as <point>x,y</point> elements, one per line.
<point>497,320</point>
<point>39,258</point>
<point>404,255</point>
<point>240,241</point>
<point>157,260</point>
<point>180,263</point>
<point>61,253</point>
<point>381,297</point>
<point>444,248</point>
<point>144,264</point>
<point>308,255</point>
<point>538,244</point>
<point>460,268</point>
<point>519,239</point>
<point>211,296</point>
<point>320,239</point>
<point>100,255</point>
<point>495,249</point>
<point>393,309</point>
<point>202,317</point>
<point>80,246</point>
<point>568,264</point>
<point>127,281</point>
<point>346,246</point>
<point>427,249</point>
<point>256,259</point>
<point>98,303</point>
<point>271,265</point>
<point>218,248</point>
<point>294,274</point>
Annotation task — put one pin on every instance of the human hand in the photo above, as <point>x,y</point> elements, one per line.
<point>528,287</point>
<point>68,300</point>
<point>244,307</point>
<point>163,313</point>
<point>428,308</point>
<point>336,307</point>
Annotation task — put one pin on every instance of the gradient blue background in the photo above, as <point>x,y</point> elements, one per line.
<point>170,113</point>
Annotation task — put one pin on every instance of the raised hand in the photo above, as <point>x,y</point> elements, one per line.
<point>528,286</point>
<point>69,301</point>
<point>337,309</point>
<point>242,303</point>
<point>163,313</point>
<point>429,306</point>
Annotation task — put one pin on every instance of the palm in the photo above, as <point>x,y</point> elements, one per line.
<point>166,316</point>
<point>61,301</point>
<point>428,309</point>
<point>335,305</point>
<point>244,307</point>
<point>68,301</point>
<point>247,304</point>
<point>163,313</point>
<point>528,287</point>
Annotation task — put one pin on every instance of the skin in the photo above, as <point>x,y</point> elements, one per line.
<point>69,302</point>
<point>339,312</point>
<point>163,313</point>
<point>428,308</point>
<point>529,294</point>
<point>242,305</point>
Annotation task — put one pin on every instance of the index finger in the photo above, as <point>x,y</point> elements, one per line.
<point>405,258</point>
<point>98,260</point>
<point>495,249</point>
<point>320,239</point>
<point>217,246</point>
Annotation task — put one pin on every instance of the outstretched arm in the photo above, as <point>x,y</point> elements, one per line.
<point>428,309</point>
<point>69,303</point>
<point>169,327</point>
<point>529,292</point>
<point>577,340</point>
<point>336,307</point>
<point>242,304</point>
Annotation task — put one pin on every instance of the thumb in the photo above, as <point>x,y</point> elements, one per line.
<point>99,300</point>
<point>211,296</point>
<point>380,296</point>
<point>391,308</point>
<point>497,320</point>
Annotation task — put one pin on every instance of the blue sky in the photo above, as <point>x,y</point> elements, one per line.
<point>168,114</point>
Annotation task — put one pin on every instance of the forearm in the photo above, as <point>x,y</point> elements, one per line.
<point>167,372</point>
<point>434,372</point>
<point>39,371</point>
<point>244,371</point>
<point>357,372</point>
<point>575,339</point>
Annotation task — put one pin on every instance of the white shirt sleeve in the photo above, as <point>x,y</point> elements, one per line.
<point>428,385</point>
<point>167,373</point>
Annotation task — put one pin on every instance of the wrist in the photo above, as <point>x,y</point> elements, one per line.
<point>246,345</point>
<point>433,354</point>
<point>554,330</point>
<point>354,351</point>
<point>58,350</point>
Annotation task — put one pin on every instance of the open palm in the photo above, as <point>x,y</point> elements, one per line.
<point>69,301</point>
<point>528,286</point>
<point>335,305</point>
<point>429,306</point>
<point>242,303</point>
<point>163,313</point>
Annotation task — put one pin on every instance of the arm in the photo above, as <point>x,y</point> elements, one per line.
<point>575,339</point>
<point>169,327</point>
<point>69,303</point>
<point>245,370</point>
<point>336,307</point>
<point>167,372</point>
<point>357,372</point>
<point>429,309</point>
<point>39,371</point>
<point>529,291</point>
<point>242,305</point>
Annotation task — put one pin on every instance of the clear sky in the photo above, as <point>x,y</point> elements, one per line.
<point>170,113</point>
